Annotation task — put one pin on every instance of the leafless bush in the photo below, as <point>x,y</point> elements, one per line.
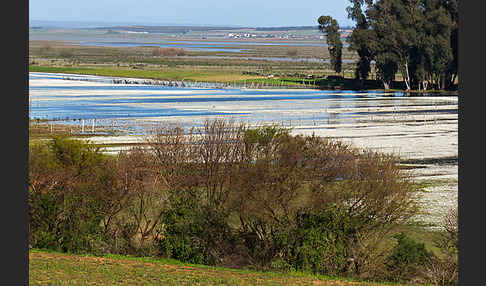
<point>444,269</point>
<point>292,52</point>
<point>66,53</point>
<point>286,175</point>
<point>372,189</point>
<point>45,49</point>
<point>139,200</point>
<point>157,52</point>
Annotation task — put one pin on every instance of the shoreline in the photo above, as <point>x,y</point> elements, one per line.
<point>253,84</point>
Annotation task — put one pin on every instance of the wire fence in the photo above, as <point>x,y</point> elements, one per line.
<point>248,84</point>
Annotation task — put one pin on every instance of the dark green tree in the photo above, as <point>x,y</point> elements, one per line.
<point>360,39</point>
<point>452,8</point>
<point>417,38</point>
<point>386,43</point>
<point>397,24</point>
<point>330,27</point>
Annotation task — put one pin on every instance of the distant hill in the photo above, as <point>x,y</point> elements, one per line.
<point>186,29</point>
<point>112,32</point>
<point>167,29</point>
<point>159,28</point>
<point>286,28</point>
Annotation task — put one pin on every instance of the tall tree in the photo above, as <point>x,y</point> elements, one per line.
<point>397,24</point>
<point>360,39</point>
<point>452,7</point>
<point>435,48</point>
<point>330,27</point>
<point>418,38</point>
<point>385,45</point>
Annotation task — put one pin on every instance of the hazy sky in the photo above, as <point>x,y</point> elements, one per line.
<point>210,12</point>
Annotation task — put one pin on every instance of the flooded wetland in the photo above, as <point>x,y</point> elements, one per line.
<point>422,130</point>
<point>290,139</point>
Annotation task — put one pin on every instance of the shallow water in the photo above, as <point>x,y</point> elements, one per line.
<point>53,96</point>
<point>190,47</point>
<point>251,43</point>
<point>278,59</point>
<point>413,127</point>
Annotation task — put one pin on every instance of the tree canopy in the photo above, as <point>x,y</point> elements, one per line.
<point>330,27</point>
<point>417,38</point>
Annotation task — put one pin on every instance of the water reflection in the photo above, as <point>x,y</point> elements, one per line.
<point>51,97</point>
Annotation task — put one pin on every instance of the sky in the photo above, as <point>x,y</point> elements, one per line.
<point>250,13</point>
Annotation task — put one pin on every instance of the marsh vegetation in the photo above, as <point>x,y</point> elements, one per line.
<point>229,195</point>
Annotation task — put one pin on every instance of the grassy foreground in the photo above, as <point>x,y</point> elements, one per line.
<point>52,268</point>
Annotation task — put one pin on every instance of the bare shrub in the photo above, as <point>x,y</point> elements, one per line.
<point>136,212</point>
<point>286,177</point>
<point>266,188</point>
<point>444,269</point>
<point>45,49</point>
<point>157,52</point>
<point>66,53</point>
<point>198,166</point>
<point>374,191</point>
<point>292,52</point>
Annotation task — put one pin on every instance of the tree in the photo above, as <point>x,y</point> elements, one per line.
<point>360,39</point>
<point>418,38</point>
<point>69,186</point>
<point>330,27</point>
<point>452,8</point>
<point>396,24</point>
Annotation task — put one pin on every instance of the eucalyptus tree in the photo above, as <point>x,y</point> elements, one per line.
<point>330,27</point>
<point>452,8</point>
<point>417,38</point>
<point>435,47</point>
<point>374,39</point>
<point>361,39</point>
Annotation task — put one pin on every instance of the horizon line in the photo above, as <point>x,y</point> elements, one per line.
<point>95,23</point>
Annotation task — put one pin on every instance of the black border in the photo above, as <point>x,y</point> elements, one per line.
<point>471,87</point>
<point>15,144</point>
<point>469,49</point>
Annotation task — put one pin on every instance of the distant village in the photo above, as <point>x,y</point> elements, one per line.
<point>273,36</point>
<point>283,35</point>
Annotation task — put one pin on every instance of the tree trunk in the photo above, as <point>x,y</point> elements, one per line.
<point>386,85</point>
<point>407,76</point>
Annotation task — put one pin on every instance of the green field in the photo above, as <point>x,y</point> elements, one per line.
<point>183,74</point>
<point>52,268</point>
<point>159,74</point>
<point>139,62</point>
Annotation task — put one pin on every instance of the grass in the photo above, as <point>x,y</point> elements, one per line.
<point>53,268</point>
<point>159,74</point>
<point>178,74</point>
<point>139,62</point>
<point>201,75</point>
<point>42,130</point>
